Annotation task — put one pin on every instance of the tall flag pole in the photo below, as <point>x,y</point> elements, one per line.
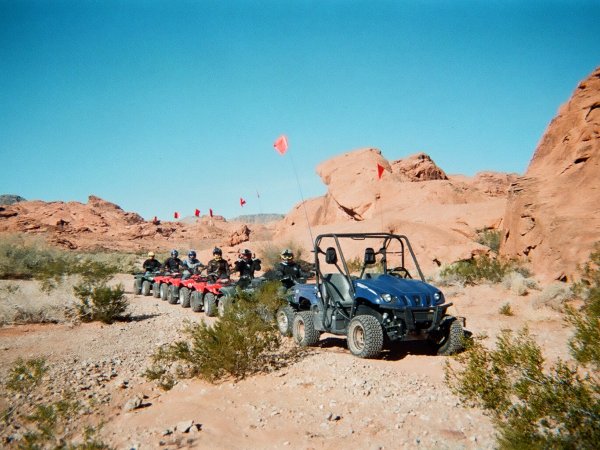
<point>281,146</point>
<point>380,170</point>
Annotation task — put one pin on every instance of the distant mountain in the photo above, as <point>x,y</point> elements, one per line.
<point>257,218</point>
<point>8,199</point>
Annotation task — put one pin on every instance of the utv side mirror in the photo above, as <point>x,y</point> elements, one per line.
<point>369,256</point>
<point>330,256</point>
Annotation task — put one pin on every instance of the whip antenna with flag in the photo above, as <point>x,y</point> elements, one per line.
<point>281,146</point>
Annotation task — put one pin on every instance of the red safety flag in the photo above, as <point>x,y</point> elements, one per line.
<point>281,144</point>
<point>210,212</point>
<point>197,212</point>
<point>242,201</point>
<point>176,215</point>
<point>380,170</point>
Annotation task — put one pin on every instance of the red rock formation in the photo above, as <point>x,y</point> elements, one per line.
<point>553,212</point>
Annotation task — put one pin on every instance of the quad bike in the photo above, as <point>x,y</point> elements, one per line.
<point>162,285</point>
<point>379,303</point>
<point>142,282</point>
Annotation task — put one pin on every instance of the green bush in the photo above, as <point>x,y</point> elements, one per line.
<point>100,303</point>
<point>506,310</point>
<point>533,407</point>
<point>242,342</point>
<point>490,238</point>
<point>25,375</point>
<point>479,269</point>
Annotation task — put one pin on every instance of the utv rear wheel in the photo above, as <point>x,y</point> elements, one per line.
<point>137,286</point>
<point>285,319</point>
<point>146,286</point>
<point>365,336</point>
<point>210,304</point>
<point>156,290</point>
<point>164,291</point>
<point>303,329</point>
<point>184,297</point>
<point>173,294</point>
<point>196,301</point>
<point>451,340</point>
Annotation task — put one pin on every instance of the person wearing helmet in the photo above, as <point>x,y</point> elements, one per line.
<point>245,266</point>
<point>191,265</point>
<point>151,264</point>
<point>287,271</point>
<point>218,266</point>
<point>173,263</point>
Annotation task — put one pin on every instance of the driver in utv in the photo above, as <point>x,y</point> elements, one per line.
<point>288,271</point>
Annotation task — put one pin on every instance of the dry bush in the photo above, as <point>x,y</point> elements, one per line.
<point>554,296</point>
<point>480,269</point>
<point>517,283</point>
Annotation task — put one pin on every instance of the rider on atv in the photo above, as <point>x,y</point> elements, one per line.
<point>173,263</point>
<point>218,267</point>
<point>191,265</point>
<point>245,266</point>
<point>151,264</point>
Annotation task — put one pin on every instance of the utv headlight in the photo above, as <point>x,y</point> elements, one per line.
<point>387,298</point>
<point>438,297</point>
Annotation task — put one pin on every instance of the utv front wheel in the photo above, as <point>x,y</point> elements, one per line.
<point>184,297</point>
<point>303,329</point>
<point>146,286</point>
<point>210,304</point>
<point>365,336</point>
<point>285,319</point>
<point>451,339</point>
<point>196,301</point>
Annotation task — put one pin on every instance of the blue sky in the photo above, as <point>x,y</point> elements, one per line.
<point>163,106</point>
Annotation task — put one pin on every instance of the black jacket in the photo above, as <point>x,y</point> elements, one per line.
<point>172,264</point>
<point>246,268</point>
<point>151,265</point>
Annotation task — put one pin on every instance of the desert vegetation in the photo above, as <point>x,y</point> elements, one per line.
<point>535,407</point>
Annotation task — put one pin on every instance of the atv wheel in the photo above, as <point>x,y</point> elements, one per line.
<point>184,297</point>
<point>451,339</point>
<point>137,286</point>
<point>365,336</point>
<point>210,304</point>
<point>164,291</point>
<point>173,294</point>
<point>224,304</point>
<point>303,329</point>
<point>146,286</point>
<point>196,301</point>
<point>156,290</point>
<point>285,319</point>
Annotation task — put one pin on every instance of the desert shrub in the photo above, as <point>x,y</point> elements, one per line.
<point>533,407</point>
<point>518,283</point>
<point>506,310</point>
<point>490,238</point>
<point>242,342</point>
<point>26,374</point>
<point>554,296</point>
<point>100,303</point>
<point>478,269</point>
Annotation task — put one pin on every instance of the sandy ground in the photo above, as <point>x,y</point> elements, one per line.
<point>329,399</point>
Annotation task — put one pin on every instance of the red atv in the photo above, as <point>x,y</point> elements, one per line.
<point>162,285</point>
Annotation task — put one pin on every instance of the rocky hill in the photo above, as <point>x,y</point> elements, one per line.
<point>8,199</point>
<point>553,212</point>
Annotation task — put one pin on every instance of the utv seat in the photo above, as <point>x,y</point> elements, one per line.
<point>337,289</point>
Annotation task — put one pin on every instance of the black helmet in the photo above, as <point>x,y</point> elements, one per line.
<point>287,255</point>
<point>174,253</point>
<point>217,251</point>
<point>192,253</point>
<point>246,254</point>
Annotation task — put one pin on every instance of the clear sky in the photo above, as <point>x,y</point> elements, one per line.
<point>163,106</point>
